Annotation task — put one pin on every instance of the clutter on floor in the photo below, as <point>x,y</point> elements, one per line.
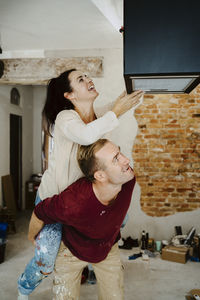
<point>8,211</point>
<point>3,234</point>
<point>8,217</point>
<point>129,243</point>
<point>193,295</point>
<point>179,249</point>
<point>175,253</point>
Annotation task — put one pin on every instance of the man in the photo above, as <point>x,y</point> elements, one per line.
<point>91,210</point>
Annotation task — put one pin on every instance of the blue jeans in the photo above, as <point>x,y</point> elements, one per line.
<point>47,246</point>
<point>125,221</point>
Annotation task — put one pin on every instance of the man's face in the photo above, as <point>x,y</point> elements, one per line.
<point>117,169</point>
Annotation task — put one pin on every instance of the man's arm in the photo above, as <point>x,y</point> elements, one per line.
<point>61,208</point>
<point>35,226</point>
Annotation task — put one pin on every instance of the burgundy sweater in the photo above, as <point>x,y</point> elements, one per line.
<point>90,228</point>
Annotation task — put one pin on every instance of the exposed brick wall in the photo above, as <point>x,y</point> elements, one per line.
<point>167,153</point>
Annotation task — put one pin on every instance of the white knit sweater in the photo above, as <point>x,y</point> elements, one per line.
<point>69,131</point>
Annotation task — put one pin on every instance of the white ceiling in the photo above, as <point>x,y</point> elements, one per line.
<point>32,26</point>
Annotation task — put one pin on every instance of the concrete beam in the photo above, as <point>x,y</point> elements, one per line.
<point>112,10</point>
<point>37,71</point>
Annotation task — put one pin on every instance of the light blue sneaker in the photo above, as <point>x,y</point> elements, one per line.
<point>91,278</point>
<point>22,297</point>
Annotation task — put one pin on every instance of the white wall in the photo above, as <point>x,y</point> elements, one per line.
<point>26,111</point>
<point>39,93</point>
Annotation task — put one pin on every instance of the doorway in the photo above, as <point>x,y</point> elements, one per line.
<point>16,157</point>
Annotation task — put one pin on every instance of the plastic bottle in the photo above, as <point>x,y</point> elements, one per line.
<point>143,239</point>
<point>146,240</point>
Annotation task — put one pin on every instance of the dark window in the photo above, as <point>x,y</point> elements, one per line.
<point>14,96</point>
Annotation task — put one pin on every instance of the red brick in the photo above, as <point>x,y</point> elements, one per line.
<point>177,163</point>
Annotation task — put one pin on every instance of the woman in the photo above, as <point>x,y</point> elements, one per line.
<point>69,109</point>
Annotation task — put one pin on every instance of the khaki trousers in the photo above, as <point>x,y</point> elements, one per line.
<point>68,271</point>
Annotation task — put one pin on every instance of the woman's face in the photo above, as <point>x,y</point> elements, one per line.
<point>82,86</point>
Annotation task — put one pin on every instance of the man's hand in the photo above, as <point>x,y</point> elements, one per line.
<point>35,226</point>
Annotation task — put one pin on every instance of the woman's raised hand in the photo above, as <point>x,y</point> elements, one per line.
<point>126,101</point>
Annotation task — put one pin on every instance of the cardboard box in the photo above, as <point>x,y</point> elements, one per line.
<point>176,254</point>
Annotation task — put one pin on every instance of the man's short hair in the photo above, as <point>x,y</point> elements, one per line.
<point>87,161</point>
